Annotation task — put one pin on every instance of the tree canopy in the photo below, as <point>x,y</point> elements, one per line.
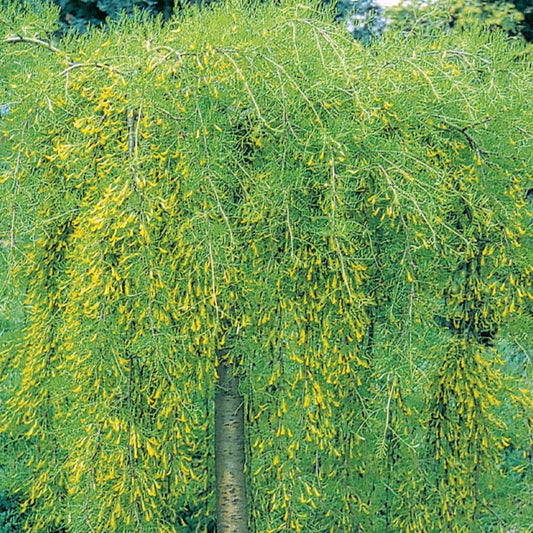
<point>352,222</point>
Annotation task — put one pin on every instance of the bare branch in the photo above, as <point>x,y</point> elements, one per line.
<point>33,40</point>
<point>103,66</point>
<point>47,44</point>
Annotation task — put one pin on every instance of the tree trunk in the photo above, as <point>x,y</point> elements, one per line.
<point>232,509</point>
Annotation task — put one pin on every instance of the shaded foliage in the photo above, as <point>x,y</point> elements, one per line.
<point>514,18</point>
<point>79,14</point>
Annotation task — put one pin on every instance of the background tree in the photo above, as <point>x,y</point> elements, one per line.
<point>525,7</point>
<point>515,18</point>
<point>510,16</point>
<point>364,19</point>
<point>78,14</point>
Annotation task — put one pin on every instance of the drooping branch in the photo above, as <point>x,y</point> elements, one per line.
<point>103,66</point>
<point>71,64</point>
<point>33,40</point>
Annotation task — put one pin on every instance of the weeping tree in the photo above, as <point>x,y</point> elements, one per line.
<point>265,272</point>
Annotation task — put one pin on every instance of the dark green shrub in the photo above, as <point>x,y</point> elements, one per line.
<point>10,519</point>
<point>79,14</point>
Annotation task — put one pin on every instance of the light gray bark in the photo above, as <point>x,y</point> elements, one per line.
<point>232,509</point>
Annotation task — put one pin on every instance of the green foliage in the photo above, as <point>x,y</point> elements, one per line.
<point>9,515</point>
<point>352,218</point>
<point>515,18</point>
<point>526,8</point>
<point>362,18</point>
<point>492,14</point>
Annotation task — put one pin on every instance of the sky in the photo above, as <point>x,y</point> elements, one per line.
<point>388,3</point>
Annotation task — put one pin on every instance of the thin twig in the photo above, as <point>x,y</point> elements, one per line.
<point>213,279</point>
<point>47,44</point>
<point>131,133</point>
<point>464,130</point>
<point>334,202</point>
<point>243,79</point>
<point>295,85</point>
<point>14,207</point>
<point>522,130</point>
<point>102,66</point>
<point>291,236</point>
<point>459,53</point>
<point>208,175</point>
<point>33,40</point>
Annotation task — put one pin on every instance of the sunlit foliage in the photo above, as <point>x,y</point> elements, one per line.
<point>353,218</point>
